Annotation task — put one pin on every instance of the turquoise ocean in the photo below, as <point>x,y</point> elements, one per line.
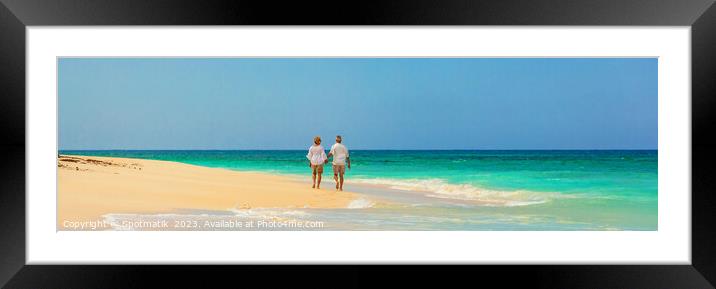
<point>454,189</point>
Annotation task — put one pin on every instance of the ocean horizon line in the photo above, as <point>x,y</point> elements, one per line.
<point>362,149</point>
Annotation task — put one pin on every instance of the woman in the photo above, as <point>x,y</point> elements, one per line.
<point>316,158</point>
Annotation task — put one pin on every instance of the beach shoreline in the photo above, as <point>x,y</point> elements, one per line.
<point>104,190</point>
<point>90,187</point>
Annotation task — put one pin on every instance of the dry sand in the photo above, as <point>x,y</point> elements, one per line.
<point>89,187</point>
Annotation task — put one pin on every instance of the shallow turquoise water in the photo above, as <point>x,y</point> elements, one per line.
<point>469,190</point>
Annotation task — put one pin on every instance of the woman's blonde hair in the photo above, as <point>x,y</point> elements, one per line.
<point>317,139</point>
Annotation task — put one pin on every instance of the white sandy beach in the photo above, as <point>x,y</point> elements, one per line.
<point>89,187</point>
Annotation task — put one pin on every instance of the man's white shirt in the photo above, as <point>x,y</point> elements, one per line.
<point>340,153</point>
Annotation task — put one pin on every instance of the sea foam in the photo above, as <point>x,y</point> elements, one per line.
<point>439,188</point>
<point>360,204</point>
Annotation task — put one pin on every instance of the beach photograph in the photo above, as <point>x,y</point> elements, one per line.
<point>357,144</point>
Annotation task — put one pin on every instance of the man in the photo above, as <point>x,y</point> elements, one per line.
<point>340,159</point>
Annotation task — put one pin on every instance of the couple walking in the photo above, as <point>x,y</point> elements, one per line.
<point>317,157</point>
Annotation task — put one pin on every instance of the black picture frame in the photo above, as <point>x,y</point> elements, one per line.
<point>15,15</point>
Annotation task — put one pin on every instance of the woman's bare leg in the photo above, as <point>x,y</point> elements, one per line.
<point>314,180</point>
<point>318,185</point>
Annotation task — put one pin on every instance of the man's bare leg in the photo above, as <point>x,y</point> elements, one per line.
<point>341,186</point>
<point>335,178</point>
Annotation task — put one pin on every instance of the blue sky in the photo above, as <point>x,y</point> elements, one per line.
<point>375,103</point>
